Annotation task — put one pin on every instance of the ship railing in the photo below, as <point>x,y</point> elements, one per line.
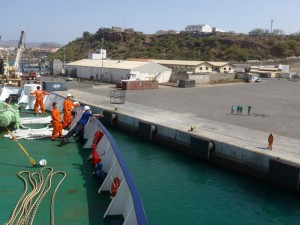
<point>127,202</point>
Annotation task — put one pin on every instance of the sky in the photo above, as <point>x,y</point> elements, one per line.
<point>62,21</point>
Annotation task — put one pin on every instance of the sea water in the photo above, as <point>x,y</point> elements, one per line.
<point>180,189</point>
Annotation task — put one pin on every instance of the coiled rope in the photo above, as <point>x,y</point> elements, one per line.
<point>26,208</point>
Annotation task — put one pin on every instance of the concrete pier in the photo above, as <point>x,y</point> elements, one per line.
<point>198,121</point>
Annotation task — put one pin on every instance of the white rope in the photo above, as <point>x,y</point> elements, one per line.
<point>26,208</point>
<point>30,133</point>
<point>36,120</point>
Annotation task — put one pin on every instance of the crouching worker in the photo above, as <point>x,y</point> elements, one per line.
<point>81,123</point>
<point>56,122</point>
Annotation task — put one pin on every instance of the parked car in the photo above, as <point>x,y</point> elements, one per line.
<point>258,79</point>
<point>69,78</point>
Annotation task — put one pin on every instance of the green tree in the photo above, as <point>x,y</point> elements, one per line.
<point>259,31</point>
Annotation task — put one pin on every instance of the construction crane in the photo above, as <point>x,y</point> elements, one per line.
<point>4,67</point>
<point>21,47</point>
<point>12,72</point>
<point>1,63</point>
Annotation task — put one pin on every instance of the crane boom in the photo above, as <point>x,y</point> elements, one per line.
<point>21,47</point>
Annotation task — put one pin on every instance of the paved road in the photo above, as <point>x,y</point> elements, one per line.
<point>275,103</point>
<point>275,108</point>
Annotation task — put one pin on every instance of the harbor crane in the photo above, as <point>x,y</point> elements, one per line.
<point>21,47</point>
<point>12,72</point>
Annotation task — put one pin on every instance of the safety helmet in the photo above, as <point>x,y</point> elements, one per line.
<point>43,162</point>
<point>86,108</point>
<point>69,95</point>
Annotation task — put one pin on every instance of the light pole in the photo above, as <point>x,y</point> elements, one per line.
<point>102,39</point>
<point>271,25</point>
<point>63,72</point>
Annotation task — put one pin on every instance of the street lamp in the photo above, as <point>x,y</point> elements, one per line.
<point>102,39</point>
<point>63,71</point>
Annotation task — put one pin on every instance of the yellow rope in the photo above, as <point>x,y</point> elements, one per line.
<point>32,161</point>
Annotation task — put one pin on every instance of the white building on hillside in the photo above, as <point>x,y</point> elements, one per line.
<point>202,29</point>
<point>162,32</point>
<point>199,28</point>
<point>99,54</point>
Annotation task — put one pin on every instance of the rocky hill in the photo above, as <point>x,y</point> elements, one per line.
<point>183,46</point>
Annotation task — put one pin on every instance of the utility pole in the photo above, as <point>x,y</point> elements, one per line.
<point>271,26</point>
<point>102,56</point>
<point>64,69</point>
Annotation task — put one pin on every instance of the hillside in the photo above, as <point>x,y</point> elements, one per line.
<point>183,46</point>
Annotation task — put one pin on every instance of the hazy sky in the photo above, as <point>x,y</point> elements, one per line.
<point>63,21</point>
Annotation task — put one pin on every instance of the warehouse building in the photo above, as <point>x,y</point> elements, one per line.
<point>113,71</point>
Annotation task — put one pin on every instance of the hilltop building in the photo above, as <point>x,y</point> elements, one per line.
<point>201,28</point>
<point>163,32</point>
<point>120,29</point>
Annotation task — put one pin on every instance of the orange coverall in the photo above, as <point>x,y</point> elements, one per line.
<point>39,100</point>
<point>270,140</point>
<point>57,123</point>
<point>68,105</point>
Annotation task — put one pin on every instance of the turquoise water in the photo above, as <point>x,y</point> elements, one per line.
<point>179,189</point>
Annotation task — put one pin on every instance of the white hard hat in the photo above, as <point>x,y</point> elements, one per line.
<point>86,108</point>
<point>43,162</point>
<point>69,95</point>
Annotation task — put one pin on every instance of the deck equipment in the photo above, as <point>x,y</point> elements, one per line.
<point>32,161</point>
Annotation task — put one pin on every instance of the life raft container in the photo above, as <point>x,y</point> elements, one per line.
<point>114,186</point>
<point>97,137</point>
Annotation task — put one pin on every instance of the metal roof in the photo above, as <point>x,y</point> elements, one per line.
<point>137,65</point>
<point>177,62</point>
<point>219,64</point>
<point>113,64</point>
<point>188,63</point>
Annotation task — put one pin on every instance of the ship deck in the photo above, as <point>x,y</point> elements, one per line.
<point>77,200</point>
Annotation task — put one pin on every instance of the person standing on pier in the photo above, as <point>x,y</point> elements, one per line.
<point>232,110</point>
<point>270,141</point>
<point>249,109</point>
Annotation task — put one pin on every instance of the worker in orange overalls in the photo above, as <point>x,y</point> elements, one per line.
<point>39,100</point>
<point>68,106</point>
<point>270,141</point>
<point>56,122</point>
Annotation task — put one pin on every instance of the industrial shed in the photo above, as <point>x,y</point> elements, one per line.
<point>113,71</point>
<point>196,67</point>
